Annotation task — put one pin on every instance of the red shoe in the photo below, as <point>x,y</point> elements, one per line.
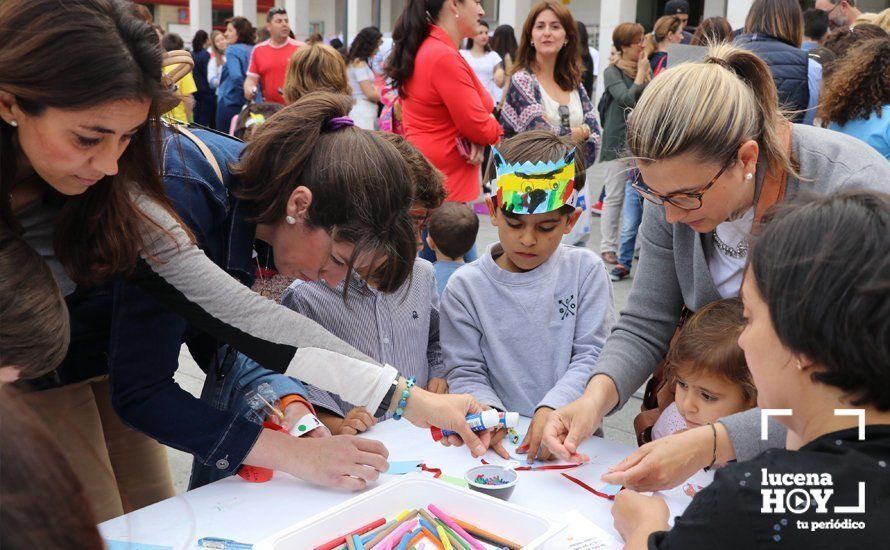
<point>597,209</point>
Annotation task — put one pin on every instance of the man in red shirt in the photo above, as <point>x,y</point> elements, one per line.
<point>268,61</point>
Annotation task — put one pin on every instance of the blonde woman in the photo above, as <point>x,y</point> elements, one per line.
<point>218,45</point>
<point>667,30</point>
<point>315,67</point>
<point>705,136</point>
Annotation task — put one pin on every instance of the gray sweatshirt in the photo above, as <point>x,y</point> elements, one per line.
<point>673,271</point>
<point>519,341</point>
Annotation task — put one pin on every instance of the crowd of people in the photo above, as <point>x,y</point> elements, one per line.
<point>160,199</point>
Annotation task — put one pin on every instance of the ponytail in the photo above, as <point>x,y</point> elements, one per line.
<point>411,29</point>
<point>366,203</point>
<point>709,109</point>
<point>650,45</point>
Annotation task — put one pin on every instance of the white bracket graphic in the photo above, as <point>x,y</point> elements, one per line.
<point>854,412</point>
<point>764,420</point>
<point>860,509</point>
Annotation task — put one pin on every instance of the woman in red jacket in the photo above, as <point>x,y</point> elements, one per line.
<point>447,112</point>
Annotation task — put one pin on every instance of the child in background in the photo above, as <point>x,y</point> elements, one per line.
<point>452,233</point>
<point>523,325</point>
<point>34,329</point>
<point>400,329</point>
<point>709,369</point>
<point>186,85</point>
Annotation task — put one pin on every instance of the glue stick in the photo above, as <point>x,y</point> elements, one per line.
<point>482,421</point>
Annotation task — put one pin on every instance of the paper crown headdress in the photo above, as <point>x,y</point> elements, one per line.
<point>534,188</point>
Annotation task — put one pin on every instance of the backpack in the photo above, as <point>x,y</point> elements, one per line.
<point>603,105</point>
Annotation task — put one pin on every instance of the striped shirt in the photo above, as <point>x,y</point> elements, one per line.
<point>399,329</point>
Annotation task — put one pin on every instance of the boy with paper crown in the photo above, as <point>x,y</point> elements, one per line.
<point>523,325</point>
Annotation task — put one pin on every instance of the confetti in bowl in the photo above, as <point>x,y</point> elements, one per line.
<point>496,481</point>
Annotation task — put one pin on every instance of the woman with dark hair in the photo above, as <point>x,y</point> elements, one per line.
<point>545,91</point>
<point>483,60</point>
<point>589,63</point>
<point>446,111</point>
<point>361,77</point>
<point>823,357</point>
<point>79,161</point>
<point>712,30</point>
<point>503,42</point>
<point>715,152</point>
<point>774,31</point>
<point>856,97</point>
<point>241,37</point>
<point>205,98</point>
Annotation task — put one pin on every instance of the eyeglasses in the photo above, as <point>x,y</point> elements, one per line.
<point>564,118</point>
<point>420,218</point>
<point>685,201</point>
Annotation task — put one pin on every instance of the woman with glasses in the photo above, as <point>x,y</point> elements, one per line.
<point>715,152</point>
<point>545,91</point>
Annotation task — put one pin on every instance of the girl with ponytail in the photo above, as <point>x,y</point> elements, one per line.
<point>667,30</point>
<point>714,151</point>
<point>447,112</point>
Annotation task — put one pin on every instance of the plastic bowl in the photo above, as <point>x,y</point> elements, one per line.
<point>502,491</point>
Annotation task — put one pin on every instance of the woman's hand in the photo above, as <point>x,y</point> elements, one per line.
<point>293,413</point>
<point>531,444</point>
<point>449,412</point>
<point>341,461</point>
<point>568,426</point>
<point>642,68</point>
<point>356,421</point>
<point>667,462</point>
<point>477,153</point>
<point>638,516</point>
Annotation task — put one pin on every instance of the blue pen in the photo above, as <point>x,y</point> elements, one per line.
<point>223,544</point>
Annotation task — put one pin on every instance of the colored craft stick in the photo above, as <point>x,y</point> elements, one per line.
<point>388,542</point>
<point>429,519</point>
<point>369,536</point>
<point>386,532</point>
<point>428,525</point>
<point>443,536</point>
<point>350,542</point>
<point>455,527</point>
<point>494,539</point>
<point>344,539</point>
<point>403,514</point>
<point>357,542</point>
<point>455,538</point>
<point>433,537</point>
<point>406,540</point>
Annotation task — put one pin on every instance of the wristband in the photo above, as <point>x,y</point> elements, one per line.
<point>295,398</point>
<point>305,425</point>
<point>387,399</point>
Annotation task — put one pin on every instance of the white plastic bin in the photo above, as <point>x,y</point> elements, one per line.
<point>414,491</point>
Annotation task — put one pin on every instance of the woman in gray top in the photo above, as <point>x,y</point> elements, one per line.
<point>705,136</point>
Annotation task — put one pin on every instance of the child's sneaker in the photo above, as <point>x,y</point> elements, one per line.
<point>618,273</point>
<point>597,208</point>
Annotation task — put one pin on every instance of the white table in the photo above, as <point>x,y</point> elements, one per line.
<point>246,512</point>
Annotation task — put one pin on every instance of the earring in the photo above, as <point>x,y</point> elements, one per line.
<point>799,366</point>
<point>290,220</point>
<point>14,123</point>
<point>749,176</point>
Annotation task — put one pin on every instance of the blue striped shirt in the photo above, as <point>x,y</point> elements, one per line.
<point>400,329</point>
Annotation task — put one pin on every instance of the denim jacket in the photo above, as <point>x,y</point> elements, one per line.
<point>146,336</point>
<point>231,82</point>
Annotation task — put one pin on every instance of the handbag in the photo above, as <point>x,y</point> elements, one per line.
<point>659,390</point>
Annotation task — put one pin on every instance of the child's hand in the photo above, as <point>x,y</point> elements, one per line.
<point>531,444</point>
<point>638,516</point>
<point>497,444</point>
<point>437,385</point>
<point>357,420</point>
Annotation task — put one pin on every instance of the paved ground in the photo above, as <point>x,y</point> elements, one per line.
<point>618,427</point>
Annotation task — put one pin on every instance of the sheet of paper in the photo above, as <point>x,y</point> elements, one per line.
<point>399,467</point>
<point>581,534</point>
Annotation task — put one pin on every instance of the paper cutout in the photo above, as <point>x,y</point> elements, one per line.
<point>581,534</point>
<point>124,545</point>
<point>460,482</point>
<point>400,467</point>
<point>537,188</point>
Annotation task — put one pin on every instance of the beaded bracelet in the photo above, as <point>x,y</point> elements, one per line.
<point>403,402</point>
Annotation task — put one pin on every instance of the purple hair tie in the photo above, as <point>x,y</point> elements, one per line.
<point>338,123</point>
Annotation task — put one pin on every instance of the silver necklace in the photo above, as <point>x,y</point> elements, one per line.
<point>738,252</point>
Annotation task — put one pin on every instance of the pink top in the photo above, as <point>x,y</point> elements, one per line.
<point>446,101</point>
<point>669,422</point>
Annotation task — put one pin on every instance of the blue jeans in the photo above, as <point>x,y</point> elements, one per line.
<point>632,215</point>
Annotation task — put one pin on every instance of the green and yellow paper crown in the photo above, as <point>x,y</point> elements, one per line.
<point>534,188</point>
